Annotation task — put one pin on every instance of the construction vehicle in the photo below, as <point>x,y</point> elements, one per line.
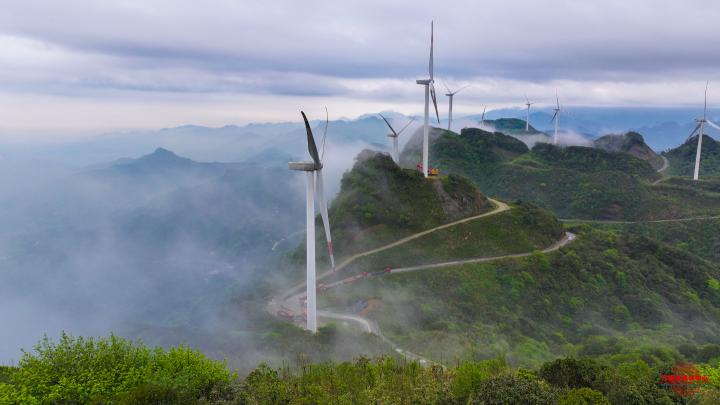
<point>289,316</point>
<point>320,287</point>
<point>431,172</point>
<point>377,273</point>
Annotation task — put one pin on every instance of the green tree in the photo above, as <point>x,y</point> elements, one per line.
<point>79,370</point>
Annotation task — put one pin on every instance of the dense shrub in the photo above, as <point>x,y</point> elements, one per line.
<point>79,370</point>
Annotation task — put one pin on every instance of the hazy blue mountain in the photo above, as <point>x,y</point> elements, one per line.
<point>91,197</point>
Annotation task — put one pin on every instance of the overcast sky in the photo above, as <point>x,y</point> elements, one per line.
<point>73,68</point>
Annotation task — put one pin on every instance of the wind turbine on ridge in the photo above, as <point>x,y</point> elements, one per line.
<point>429,91</point>
<point>701,122</point>
<point>527,121</point>
<point>394,136</point>
<point>557,111</point>
<point>482,119</point>
<point>314,166</point>
<point>451,94</point>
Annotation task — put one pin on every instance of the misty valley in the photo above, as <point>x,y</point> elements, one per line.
<point>576,272</point>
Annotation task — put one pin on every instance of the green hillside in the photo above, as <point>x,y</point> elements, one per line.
<point>523,228</point>
<point>682,158</point>
<point>573,182</point>
<point>513,126</point>
<point>613,295</point>
<point>632,143</point>
<point>700,237</point>
<point>379,202</point>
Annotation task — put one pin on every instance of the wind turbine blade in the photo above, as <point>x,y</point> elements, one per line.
<point>557,100</point>
<point>413,119</point>
<point>693,132</point>
<point>443,81</point>
<point>535,102</point>
<point>705,109</point>
<point>553,118</point>
<point>432,93</point>
<point>462,88</point>
<point>431,50</point>
<point>322,202</point>
<point>483,116</point>
<point>388,124</point>
<point>526,99</point>
<point>311,141</point>
<point>567,112</point>
<point>322,145</point>
<point>713,125</point>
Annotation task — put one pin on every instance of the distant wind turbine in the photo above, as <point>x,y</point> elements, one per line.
<point>394,136</point>
<point>701,122</point>
<point>527,121</point>
<point>312,187</point>
<point>482,119</point>
<point>429,91</point>
<point>557,111</point>
<point>451,94</point>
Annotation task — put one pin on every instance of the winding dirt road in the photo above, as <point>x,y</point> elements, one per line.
<point>289,302</point>
<point>501,207</point>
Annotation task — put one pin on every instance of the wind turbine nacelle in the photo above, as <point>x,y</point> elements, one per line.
<point>700,120</point>
<point>392,136</point>
<point>424,81</point>
<point>303,166</point>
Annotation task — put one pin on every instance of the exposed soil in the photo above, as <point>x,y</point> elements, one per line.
<point>371,303</point>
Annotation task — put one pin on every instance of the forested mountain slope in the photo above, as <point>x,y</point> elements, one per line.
<point>682,158</point>
<point>632,143</point>
<point>609,294</point>
<point>574,182</point>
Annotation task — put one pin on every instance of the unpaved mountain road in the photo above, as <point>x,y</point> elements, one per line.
<point>501,207</point>
<point>291,302</point>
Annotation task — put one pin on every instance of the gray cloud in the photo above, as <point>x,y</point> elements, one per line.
<point>609,53</point>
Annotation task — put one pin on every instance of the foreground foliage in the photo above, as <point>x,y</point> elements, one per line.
<point>383,380</point>
<point>80,371</point>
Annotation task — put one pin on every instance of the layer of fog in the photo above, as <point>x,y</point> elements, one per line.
<point>166,258</point>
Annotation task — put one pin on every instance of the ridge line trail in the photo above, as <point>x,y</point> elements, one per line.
<point>501,207</point>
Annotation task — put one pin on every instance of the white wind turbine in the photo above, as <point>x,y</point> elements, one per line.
<point>312,187</point>
<point>482,119</point>
<point>394,136</point>
<point>701,122</point>
<point>557,111</point>
<point>429,91</point>
<point>527,121</point>
<point>451,94</point>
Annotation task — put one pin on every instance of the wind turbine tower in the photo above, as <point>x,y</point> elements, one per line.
<point>429,91</point>
<point>701,124</point>
<point>310,168</point>
<point>482,119</point>
<point>394,136</point>
<point>451,94</point>
<point>527,121</point>
<point>558,110</point>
